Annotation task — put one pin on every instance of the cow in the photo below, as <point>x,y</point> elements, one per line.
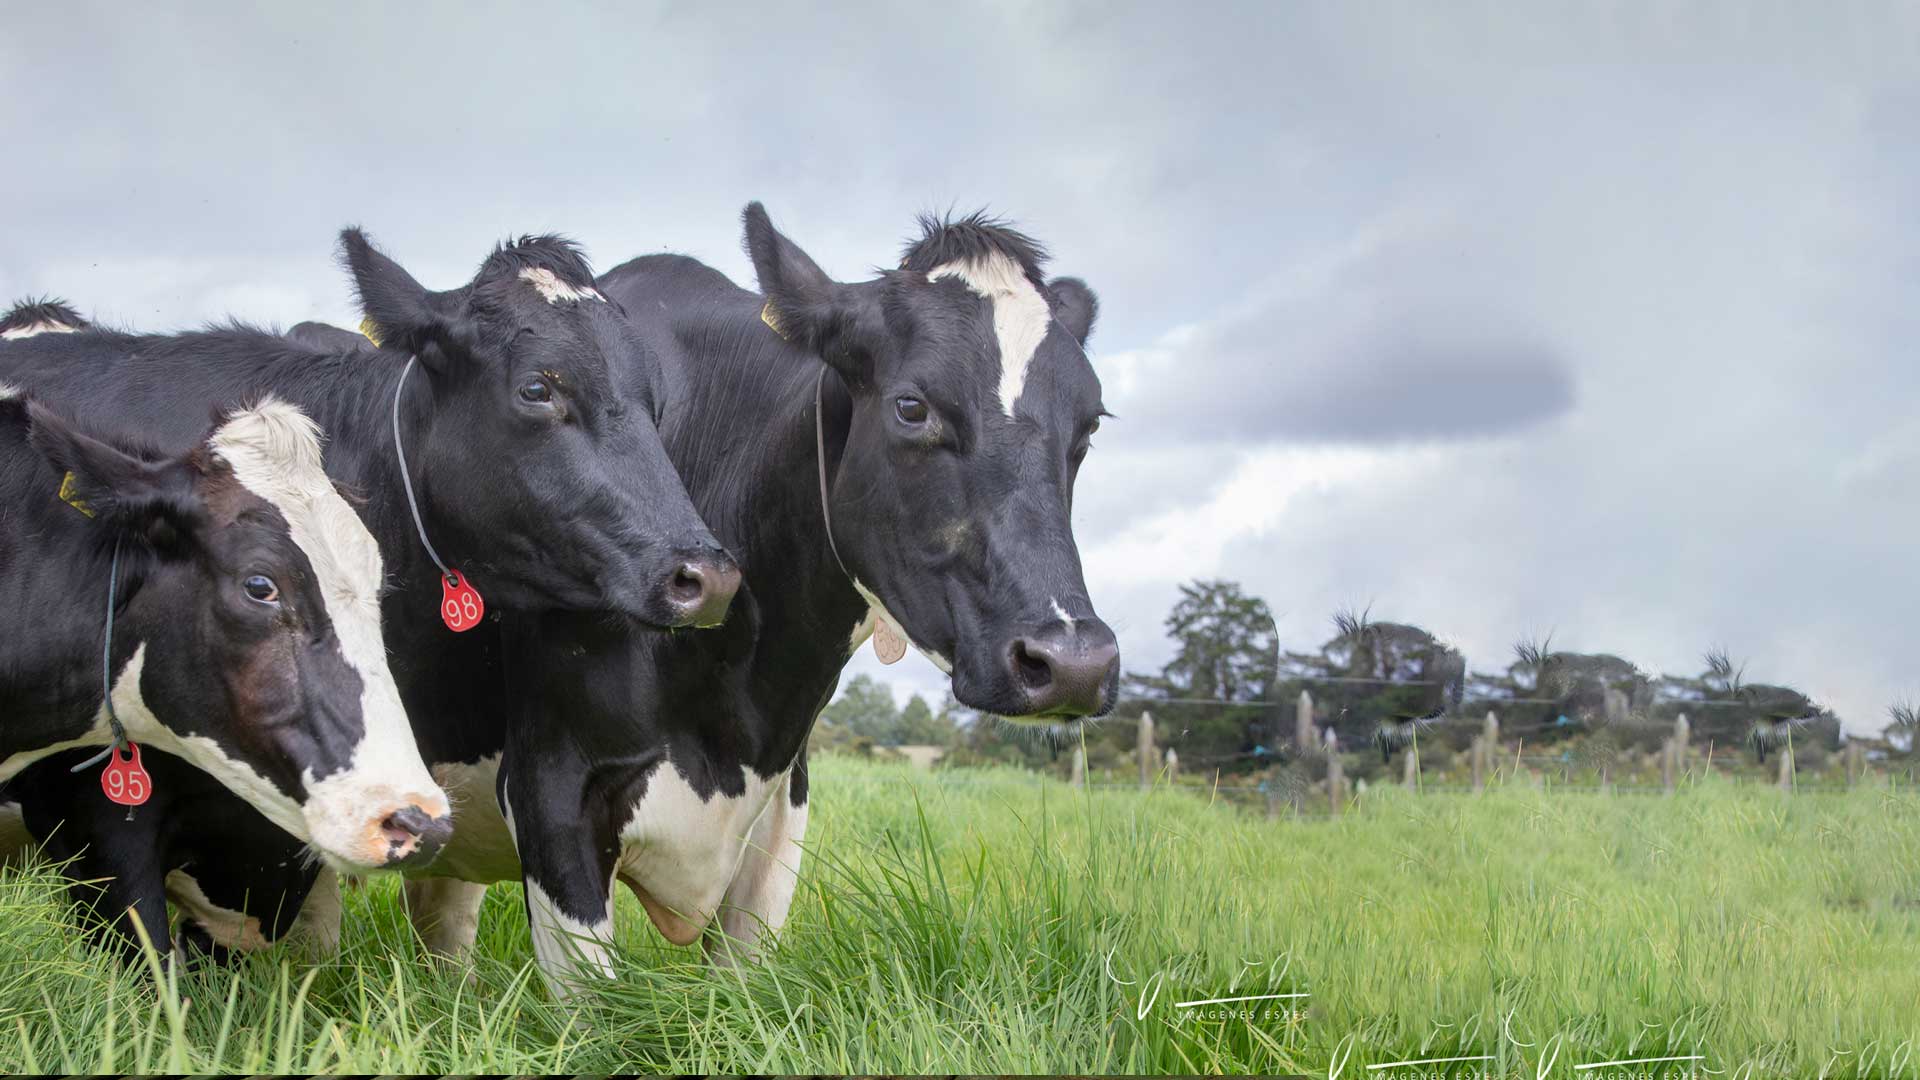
<point>533,462</point>
<point>958,405</point>
<point>915,440</point>
<point>221,604</point>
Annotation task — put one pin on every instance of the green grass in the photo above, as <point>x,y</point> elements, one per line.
<point>989,922</point>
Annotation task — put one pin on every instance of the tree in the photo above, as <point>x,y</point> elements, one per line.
<point>920,725</point>
<point>864,710</point>
<point>1226,650</point>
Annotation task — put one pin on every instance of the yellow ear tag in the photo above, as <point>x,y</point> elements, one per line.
<point>367,330</point>
<point>773,321</point>
<point>70,494</point>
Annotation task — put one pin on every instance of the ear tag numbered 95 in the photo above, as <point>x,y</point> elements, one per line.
<point>125,780</point>
<point>460,604</point>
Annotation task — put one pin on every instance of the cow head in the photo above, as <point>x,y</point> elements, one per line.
<point>972,406</point>
<point>254,592</point>
<point>546,477</point>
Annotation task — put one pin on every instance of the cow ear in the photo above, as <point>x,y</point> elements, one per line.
<point>401,313</point>
<point>1075,306</point>
<point>153,503</point>
<point>835,322</point>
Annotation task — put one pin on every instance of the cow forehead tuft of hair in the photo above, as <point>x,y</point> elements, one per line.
<point>273,433</point>
<point>274,450</point>
<point>46,315</point>
<point>556,255</point>
<point>975,239</point>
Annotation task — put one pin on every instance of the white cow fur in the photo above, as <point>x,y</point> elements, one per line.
<point>1020,315</point>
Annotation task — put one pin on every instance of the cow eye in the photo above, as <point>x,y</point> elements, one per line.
<point>536,392</point>
<point>261,590</point>
<point>910,410</point>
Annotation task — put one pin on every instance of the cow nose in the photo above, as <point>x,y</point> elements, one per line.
<point>414,836</point>
<point>701,588</point>
<point>1066,671</point>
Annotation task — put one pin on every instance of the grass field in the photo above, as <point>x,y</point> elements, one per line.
<point>989,922</point>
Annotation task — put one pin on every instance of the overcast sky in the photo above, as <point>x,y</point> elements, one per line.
<point>1597,319</point>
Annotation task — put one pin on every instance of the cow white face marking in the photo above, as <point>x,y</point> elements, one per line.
<point>274,451</point>
<point>554,289</point>
<point>34,329</point>
<point>1020,315</point>
<point>1061,613</point>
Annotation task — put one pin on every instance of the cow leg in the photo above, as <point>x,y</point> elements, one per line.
<point>125,889</point>
<point>445,913</point>
<point>315,932</point>
<point>567,868</point>
<point>15,840</point>
<point>757,900</point>
<point>571,916</point>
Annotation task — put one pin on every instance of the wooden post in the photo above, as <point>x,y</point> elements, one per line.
<point>1304,739</point>
<point>1786,766</point>
<point>1483,749</point>
<point>1336,774</point>
<point>1856,761</point>
<point>1173,765</point>
<point>1410,769</point>
<point>1079,777</point>
<point>1675,754</point>
<point>1144,749</point>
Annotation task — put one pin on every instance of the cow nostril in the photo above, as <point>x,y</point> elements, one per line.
<point>1034,669</point>
<point>405,825</point>
<point>687,585</point>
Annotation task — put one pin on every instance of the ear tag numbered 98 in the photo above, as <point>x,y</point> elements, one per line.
<point>460,604</point>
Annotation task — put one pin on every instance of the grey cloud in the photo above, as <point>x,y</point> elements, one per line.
<point>1602,283</point>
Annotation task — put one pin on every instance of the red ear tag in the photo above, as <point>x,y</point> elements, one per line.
<point>460,604</point>
<point>124,780</point>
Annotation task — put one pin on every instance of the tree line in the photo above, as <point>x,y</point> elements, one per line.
<point>1224,699</point>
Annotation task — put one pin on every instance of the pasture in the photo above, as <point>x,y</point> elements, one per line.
<point>990,921</point>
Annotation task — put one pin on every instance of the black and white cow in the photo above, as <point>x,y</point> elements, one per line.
<point>958,406</point>
<point>246,627</point>
<point>530,433</point>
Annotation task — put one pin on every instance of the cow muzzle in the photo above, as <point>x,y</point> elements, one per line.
<point>365,831</point>
<point>1064,672</point>
<point>414,836</point>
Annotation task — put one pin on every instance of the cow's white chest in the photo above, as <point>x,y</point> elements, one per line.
<point>685,850</point>
<point>482,848</point>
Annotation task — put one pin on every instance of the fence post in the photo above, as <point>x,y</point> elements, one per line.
<point>1079,777</point>
<point>1786,766</point>
<point>1483,748</point>
<point>1173,765</point>
<point>1675,754</point>
<point>1144,750</point>
<point>1410,769</point>
<point>1305,741</point>
<point>1336,774</point>
<point>1856,758</point>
